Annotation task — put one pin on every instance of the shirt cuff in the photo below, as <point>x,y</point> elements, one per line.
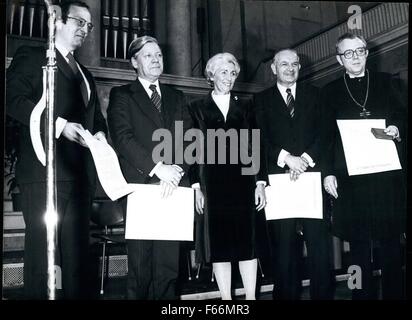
<point>397,137</point>
<point>308,159</point>
<point>180,169</point>
<point>281,158</point>
<point>151,173</point>
<point>261,182</point>
<point>196,185</point>
<point>60,124</point>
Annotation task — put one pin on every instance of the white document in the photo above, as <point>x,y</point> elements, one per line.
<point>294,199</point>
<point>151,217</point>
<point>107,167</point>
<point>363,152</point>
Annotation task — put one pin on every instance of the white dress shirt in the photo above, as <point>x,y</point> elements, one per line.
<point>146,84</point>
<point>222,101</point>
<point>283,153</point>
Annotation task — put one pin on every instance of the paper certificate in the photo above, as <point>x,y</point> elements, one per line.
<point>150,217</point>
<point>363,152</point>
<point>107,167</point>
<point>294,199</point>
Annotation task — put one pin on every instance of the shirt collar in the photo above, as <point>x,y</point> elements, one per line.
<point>63,50</point>
<point>357,76</point>
<point>221,96</point>
<point>146,83</point>
<point>223,102</point>
<point>282,89</point>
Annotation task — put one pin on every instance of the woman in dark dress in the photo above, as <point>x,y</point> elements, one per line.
<point>226,201</point>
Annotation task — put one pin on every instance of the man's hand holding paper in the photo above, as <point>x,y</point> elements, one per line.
<point>363,152</point>
<point>106,163</point>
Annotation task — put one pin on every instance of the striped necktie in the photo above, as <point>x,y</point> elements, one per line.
<point>155,98</point>
<point>290,102</point>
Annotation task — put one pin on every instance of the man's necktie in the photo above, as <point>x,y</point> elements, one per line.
<point>155,98</point>
<point>290,102</point>
<point>79,78</point>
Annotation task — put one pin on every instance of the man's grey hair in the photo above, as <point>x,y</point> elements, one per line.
<point>137,44</point>
<point>276,57</point>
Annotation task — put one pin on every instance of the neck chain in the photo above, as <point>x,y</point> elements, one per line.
<point>364,112</point>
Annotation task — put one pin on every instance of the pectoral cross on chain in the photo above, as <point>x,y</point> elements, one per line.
<point>365,113</point>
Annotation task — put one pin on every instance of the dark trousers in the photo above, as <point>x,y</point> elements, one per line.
<point>71,248</point>
<point>287,252</point>
<point>389,255</point>
<point>153,267</point>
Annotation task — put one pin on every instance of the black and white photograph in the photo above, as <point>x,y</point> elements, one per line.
<point>224,151</point>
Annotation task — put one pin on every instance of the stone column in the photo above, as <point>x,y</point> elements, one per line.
<point>178,59</point>
<point>89,54</point>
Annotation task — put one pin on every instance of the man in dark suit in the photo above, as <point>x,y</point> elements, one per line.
<point>135,111</point>
<point>288,116</point>
<point>77,108</point>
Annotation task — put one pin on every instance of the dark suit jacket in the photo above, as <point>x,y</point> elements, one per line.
<point>132,119</point>
<point>279,131</point>
<point>206,115</point>
<point>24,90</point>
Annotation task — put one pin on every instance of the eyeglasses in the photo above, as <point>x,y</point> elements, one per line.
<point>348,54</point>
<point>81,23</point>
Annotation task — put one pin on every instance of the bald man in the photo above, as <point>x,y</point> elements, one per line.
<point>288,116</point>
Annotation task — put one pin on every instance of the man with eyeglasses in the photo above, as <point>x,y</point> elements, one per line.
<point>77,108</point>
<point>368,210</point>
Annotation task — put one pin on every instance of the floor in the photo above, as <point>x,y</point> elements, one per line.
<point>196,290</point>
<point>199,285</point>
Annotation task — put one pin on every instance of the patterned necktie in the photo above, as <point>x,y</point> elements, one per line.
<point>155,98</point>
<point>290,102</point>
<point>79,78</point>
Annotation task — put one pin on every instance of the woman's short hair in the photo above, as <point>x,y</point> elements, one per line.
<point>214,62</point>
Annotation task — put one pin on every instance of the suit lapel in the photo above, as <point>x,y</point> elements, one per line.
<point>169,104</point>
<point>300,100</point>
<point>235,112</point>
<point>91,85</point>
<point>64,66</point>
<point>278,103</point>
<point>144,103</point>
<point>91,104</point>
<point>213,111</point>
<point>68,73</point>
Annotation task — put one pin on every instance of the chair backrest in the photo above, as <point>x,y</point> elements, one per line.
<point>106,212</point>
